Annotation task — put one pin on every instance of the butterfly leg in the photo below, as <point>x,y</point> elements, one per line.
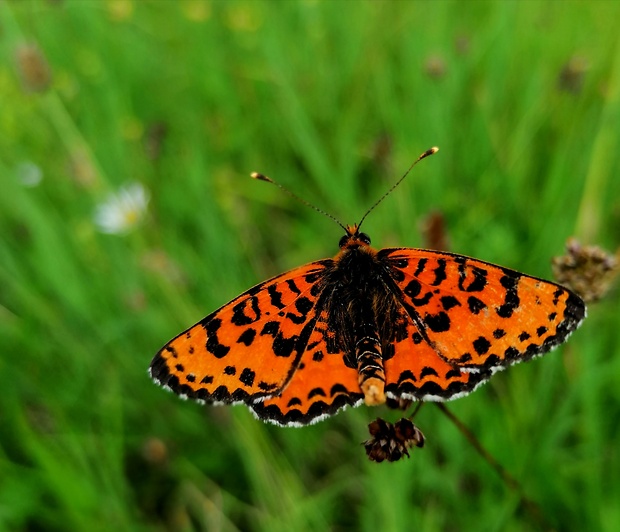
<point>370,364</point>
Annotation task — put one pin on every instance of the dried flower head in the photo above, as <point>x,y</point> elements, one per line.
<point>391,441</point>
<point>573,73</point>
<point>33,68</point>
<point>588,270</point>
<point>434,232</point>
<point>155,451</point>
<point>435,66</point>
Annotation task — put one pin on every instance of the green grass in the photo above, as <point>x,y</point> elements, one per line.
<point>303,92</point>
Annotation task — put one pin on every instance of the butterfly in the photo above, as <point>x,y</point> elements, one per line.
<point>367,325</point>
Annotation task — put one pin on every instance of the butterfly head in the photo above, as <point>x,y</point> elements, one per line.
<point>354,238</point>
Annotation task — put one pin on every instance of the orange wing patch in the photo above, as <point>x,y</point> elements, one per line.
<point>479,316</point>
<point>248,349</point>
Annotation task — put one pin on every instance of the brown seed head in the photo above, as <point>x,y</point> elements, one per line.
<point>587,270</point>
<point>391,441</point>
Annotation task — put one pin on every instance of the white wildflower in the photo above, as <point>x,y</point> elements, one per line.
<point>28,174</point>
<point>123,210</point>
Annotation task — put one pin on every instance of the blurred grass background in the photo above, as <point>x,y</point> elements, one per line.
<point>334,100</point>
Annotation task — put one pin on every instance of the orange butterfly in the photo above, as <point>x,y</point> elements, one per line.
<point>366,325</point>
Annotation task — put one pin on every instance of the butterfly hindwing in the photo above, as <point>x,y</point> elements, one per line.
<point>248,349</point>
<point>480,316</point>
<point>414,370</point>
<point>321,386</point>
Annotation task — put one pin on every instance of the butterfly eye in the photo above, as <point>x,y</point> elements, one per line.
<point>343,241</point>
<point>364,238</point>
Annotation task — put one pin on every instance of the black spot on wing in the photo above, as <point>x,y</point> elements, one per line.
<point>246,311</point>
<point>413,289</point>
<point>428,371</point>
<point>465,357</point>
<point>499,333</point>
<point>475,305</point>
<point>267,386</point>
<point>481,345</point>
<point>316,391</point>
<point>303,305</point>
<point>313,277</point>
<point>420,267</point>
<point>337,389</point>
<point>275,297</point>
<point>511,299</point>
<point>247,377</point>
<point>406,375</point>
<point>448,302</point>
<point>316,289</point>
<point>439,322</point>
<point>172,351</point>
<point>282,346</point>
<point>292,286</point>
<point>511,354</point>
<point>479,281</point>
<point>247,337</point>
<point>440,272</point>
<point>213,345</point>
<point>453,374</point>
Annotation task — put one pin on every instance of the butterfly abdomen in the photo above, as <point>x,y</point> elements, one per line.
<point>358,299</point>
<point>370,363</point>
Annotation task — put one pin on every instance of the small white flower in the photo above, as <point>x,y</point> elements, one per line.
<point>122,211</point>
<point>28,174</point>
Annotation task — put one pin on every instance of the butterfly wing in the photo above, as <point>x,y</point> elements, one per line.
<point>269,348</point>
<point>479,317</point>
<point>248,349</point>
<point>322,385</point>
<point>414,370</point>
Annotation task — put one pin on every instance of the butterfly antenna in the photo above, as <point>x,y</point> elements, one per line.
<point>423,156</point>
<point>262,177</point>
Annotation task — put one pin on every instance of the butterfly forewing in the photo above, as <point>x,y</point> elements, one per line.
<point>478,315</point>
<point>249,348</point>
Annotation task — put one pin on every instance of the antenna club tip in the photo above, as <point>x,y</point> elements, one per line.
<point>260,177</point>
<point>434,149</point>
